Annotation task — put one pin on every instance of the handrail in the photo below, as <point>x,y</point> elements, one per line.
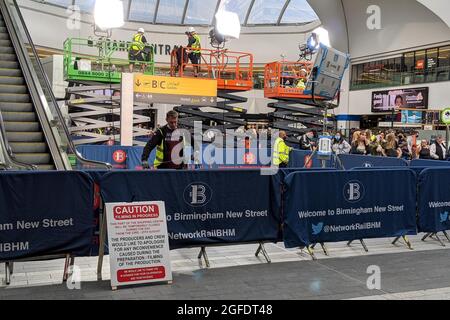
<point>32,81</point>
<point>218,63</point>
<point>10,160</point>
<point>62,122</point>
<point>104,61</point>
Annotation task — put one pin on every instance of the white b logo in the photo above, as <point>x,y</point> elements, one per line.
<point>353,191</point>
<point>197,194</point>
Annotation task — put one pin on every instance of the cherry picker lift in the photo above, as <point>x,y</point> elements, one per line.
<point>93,68</point>
<point>305,90</point>
<point>233,72</point>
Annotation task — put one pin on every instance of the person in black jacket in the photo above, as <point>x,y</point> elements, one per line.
<point>165,141</point>
<point>438,149</point>
<point>423,151</point>
<point>307,142</point>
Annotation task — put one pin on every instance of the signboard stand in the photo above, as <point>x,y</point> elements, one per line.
<point>68,265</point>
<point>311,252</point>
<point>262,249</point>
<point>406,240</point>
<point>432,235</point>
<point>446,235</point>
<point>138,243</point>
<point>102,242</point>
<point>203,255</point>
<point>324,248</point>
<point>362,243</point>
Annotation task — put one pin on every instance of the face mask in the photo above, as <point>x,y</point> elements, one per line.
<point>338,138</point>
<point>310,135</point>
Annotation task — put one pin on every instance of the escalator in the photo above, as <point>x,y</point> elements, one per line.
<point>23,130</point>
<point>35,134</point>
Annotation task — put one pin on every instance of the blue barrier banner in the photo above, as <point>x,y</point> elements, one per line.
<point>350,161</point>
<point>417,170</point>
<point>122,158</point>
<point>429,163</point>
<point>277,187</point>
<point>301,159</point>
<point>129,158</point>
<point>235,158</point>
<point>352,205</point>
<point>45,213</point>
<point>203,207</point>
<point>434,200</point>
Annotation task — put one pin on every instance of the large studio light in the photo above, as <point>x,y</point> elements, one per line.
<point>323,36</point>
<point>108,14</point>
<point>228,24</point>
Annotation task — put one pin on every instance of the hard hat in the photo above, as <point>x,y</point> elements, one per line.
<point>141,30</point>
<point>191,30</point>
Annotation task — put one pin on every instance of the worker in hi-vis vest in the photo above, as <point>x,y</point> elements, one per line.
<point>165,141</point>
<point>281,151</point>
<point>194,49</point>
<point>137,52</point>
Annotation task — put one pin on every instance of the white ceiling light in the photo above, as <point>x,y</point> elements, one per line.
<point>228,24</point>
<point>108,14</point>
<point>323,36</point>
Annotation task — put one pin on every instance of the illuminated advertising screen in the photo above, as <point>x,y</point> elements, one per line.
<point>387,101</point>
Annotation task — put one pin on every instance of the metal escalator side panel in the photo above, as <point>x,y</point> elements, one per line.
<point>35,95</point>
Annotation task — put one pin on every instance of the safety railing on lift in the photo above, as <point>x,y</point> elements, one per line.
<point>10,161</point>
<point>232,70</point>
<point>286,79</point>
<point>102,59</point>
<point>58,117</point>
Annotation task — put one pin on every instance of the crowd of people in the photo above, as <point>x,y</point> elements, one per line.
<point>389,143</point>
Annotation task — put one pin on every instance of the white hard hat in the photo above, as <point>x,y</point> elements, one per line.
<point>191,30</point>
<point>141,30</point>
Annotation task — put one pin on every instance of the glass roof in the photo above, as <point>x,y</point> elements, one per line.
<point>201,12</point>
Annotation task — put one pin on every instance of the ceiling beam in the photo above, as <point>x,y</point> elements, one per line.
<point>286,5</point>
<point>156,11</point>
<point>250,8</point>
<point>186,5</point>
<point>129,10</point>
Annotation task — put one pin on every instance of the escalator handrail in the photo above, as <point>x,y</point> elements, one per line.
<point>53,98</point>
<point>10,158</point>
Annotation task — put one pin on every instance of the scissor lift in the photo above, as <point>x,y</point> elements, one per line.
<point>295,111</point>
<point>233,72</point>
<point>93,66</point>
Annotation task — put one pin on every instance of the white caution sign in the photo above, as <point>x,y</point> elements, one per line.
<point>138,243</point>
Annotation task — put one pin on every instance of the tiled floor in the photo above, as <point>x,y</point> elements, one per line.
<point>236,273</point>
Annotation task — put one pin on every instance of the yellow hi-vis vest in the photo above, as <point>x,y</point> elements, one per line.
<point>280,152</point>
<point>159,152</point>
<point>159,160</point>
<point>197,46</point>
<point>137,44</point>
